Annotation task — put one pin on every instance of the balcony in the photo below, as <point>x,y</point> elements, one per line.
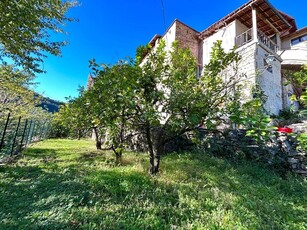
<point>247,37</point>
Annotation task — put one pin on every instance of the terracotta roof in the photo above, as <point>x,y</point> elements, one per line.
<point>296,33</point>
<point>267,18</point>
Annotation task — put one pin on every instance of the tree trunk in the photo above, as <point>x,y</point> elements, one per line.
<point>97,139</point>
<point>118,154</point>
<point>118,158</point>
<point>158,149</point>
<point>155,149</point>
<point>150,151</point>
<point>98,145</point>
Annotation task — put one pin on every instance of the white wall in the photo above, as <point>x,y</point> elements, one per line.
<point>294,54</point>
<point>240,28</point>
<point>227,35</point>
<point>170,36</point>
<point>286,44</point>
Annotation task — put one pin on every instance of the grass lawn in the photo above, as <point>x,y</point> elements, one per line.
<point>67,184</point>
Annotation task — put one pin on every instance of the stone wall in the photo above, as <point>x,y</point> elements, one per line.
<point>253,66</point>
<point>247,68</point>
<point>269,78</point>
<point>188,38</point>
<point>295,157</point>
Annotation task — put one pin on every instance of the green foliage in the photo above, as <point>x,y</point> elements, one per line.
<point>162,97</point>
<point>17,99</point>
<point>174,100</point>
<point>287,114</point>
<point>14,91</point>
<point>255,120</point>
<point>73,119</point>
<point>302,140</point>
<point>286,117</point>
<point>25,30</point>
<point>112,100</point>
<point>141,53</point>
<point>301,79</point>
<point>66,184</point>
<point>251,115</point>
<point>25,39</point>
<point>298,80</point>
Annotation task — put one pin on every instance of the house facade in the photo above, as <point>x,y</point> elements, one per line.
<point>268,40</point>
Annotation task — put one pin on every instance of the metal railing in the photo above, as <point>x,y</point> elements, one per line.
<point>247,37</point>
<point>16,133</point>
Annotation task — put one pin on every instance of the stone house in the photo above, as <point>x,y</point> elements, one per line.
<point>267,39</point>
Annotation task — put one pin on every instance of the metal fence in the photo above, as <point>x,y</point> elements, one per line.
<point>17,133</point>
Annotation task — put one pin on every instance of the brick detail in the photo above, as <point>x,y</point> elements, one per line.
<point>188,38</point>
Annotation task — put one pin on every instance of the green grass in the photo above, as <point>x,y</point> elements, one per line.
<point>66,184</point>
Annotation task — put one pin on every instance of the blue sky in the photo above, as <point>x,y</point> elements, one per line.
<point>112,30</point>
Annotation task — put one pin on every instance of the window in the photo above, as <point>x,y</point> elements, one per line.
<point>267,66</point>
<point>304,38</point>
<point>299,39</point>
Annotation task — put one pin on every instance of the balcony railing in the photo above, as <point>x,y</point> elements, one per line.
<point>244,38</point>
<point>247,37</point>
<point>265,40</point>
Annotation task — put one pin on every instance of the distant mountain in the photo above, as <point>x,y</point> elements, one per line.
<point>50,105</point>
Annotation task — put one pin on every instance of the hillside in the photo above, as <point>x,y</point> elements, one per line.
<point>50,105</point>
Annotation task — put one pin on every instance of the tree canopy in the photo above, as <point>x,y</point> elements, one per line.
<point>26,28</point>
<point>159,99</point>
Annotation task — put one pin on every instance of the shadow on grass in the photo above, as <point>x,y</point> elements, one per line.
<point>249,190</point>
<point>32,198</point>
<point>193,191</point>
<point>92,157</point>
<point>37,153</point>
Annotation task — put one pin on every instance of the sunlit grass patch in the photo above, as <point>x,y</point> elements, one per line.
<point>67,184</point>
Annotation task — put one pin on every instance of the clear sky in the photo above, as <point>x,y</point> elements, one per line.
<point>112,30</point>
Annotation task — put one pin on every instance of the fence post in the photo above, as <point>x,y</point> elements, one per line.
<point>4,131</point>
<point>46,130</point>
<point>32,132</point>
<point>23,134</point>
<point>14,141</point>
<point>28,133</point>
<point>39,131</point>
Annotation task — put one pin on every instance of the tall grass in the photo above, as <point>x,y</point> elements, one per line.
<point>67,184</point>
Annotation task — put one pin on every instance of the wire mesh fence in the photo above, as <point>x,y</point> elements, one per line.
<point>16,133</point>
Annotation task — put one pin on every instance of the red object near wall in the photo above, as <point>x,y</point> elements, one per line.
<point>285,130</point>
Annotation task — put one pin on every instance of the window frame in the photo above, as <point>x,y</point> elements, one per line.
<point>298,40</point>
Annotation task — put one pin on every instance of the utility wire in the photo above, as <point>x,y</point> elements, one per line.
<point>163,14</point>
